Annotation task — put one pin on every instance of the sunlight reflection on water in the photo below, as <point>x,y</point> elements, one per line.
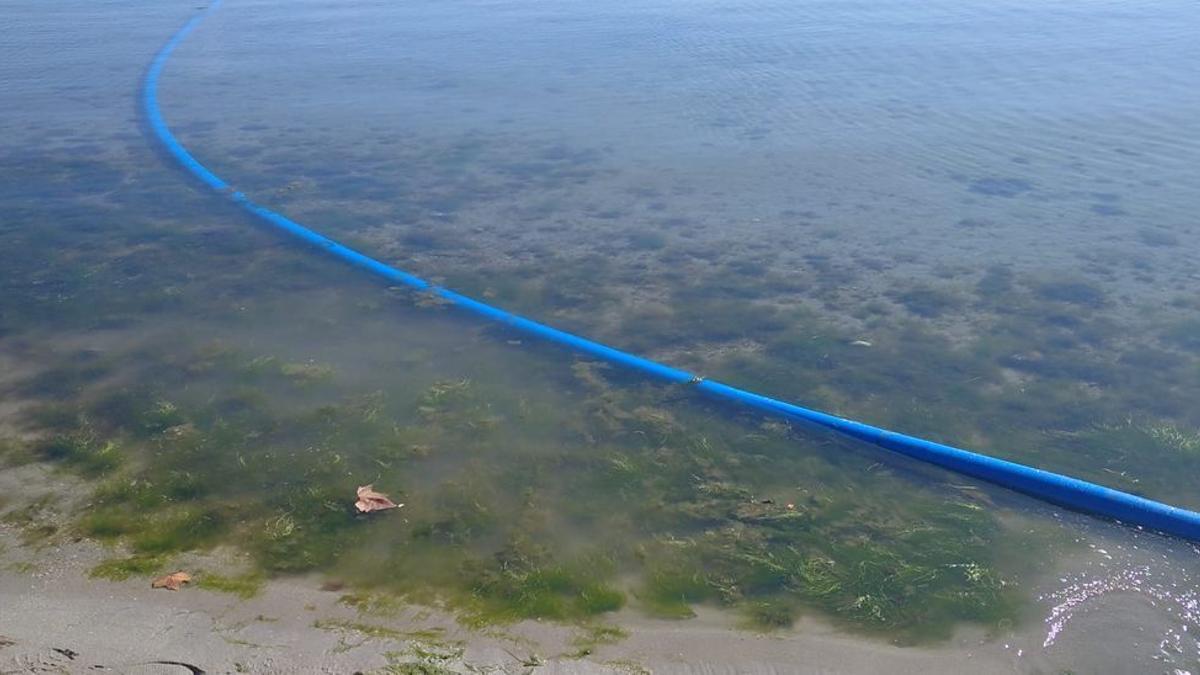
<point>1166,587</point>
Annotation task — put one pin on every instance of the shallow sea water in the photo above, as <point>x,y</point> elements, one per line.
<point>1000,198</point>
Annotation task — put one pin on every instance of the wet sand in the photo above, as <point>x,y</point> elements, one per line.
<point>55,619</point>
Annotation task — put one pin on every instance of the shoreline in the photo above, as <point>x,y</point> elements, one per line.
<point>57,619</point>
<point>54,617</point>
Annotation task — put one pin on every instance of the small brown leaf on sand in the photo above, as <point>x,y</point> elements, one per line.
<point>172,582</point>
<point>369,500</point>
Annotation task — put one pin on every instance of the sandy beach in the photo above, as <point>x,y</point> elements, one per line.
<point>54,618</point>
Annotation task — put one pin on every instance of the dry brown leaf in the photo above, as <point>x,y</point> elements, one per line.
<point>172,582</point>
<point>369,500</point>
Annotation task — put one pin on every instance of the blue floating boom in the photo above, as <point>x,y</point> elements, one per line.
<point>1045,485</point>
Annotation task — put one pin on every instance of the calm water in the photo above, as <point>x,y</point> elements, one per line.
<point>974,221</point>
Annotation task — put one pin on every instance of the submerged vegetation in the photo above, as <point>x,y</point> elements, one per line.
<point>540,512</point>
<point>590,491</point>
<point>120,569</point>
<point>217,388</point>
<point>243,586</point>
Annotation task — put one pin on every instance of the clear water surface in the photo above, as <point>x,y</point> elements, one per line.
<point>973,221</point>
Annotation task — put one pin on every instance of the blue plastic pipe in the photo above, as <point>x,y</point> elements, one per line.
<point>1051,487</point>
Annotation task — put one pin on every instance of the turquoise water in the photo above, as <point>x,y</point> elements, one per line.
<point>968,221</point>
